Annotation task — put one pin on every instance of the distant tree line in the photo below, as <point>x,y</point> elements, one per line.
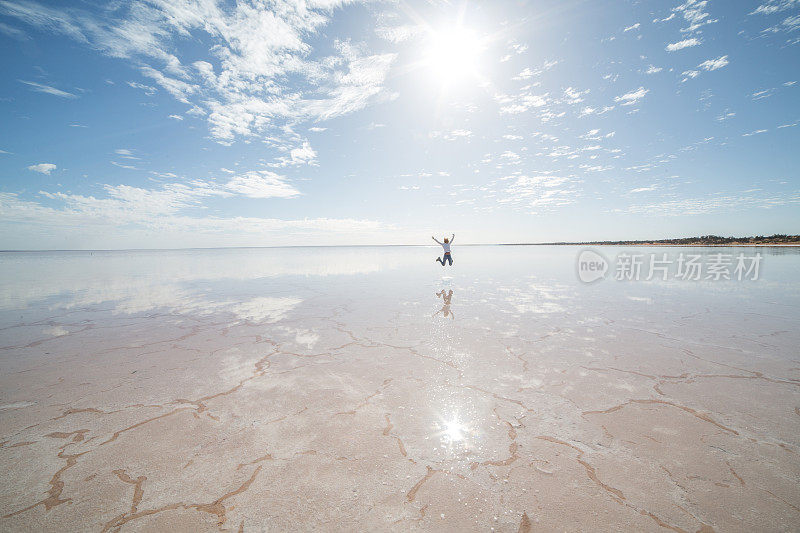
<point>778,238</point>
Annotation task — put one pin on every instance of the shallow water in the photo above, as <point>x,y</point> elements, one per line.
<point>349,388</point>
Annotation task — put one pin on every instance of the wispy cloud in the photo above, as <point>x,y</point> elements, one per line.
<point>632,97</point>
<point>714,64</point>
<point>536,192</point>
<point>680,45</point>
<point>789,24</point>
<point>47,89</point>
<point>261,184</point>
<point>721,202</point>
<point>13,32</point>
<point>122,165</point>
<point>764,93</point>
<point>149,90</point>
<point>726,115</point>
<point>451,135</point>
<point>168,210</point>
<point>126,153</point>
<point>695,14</point>
<point>707,65</point>
<point>242,88</point>
<point>399,33</point>
<point>775,6</point>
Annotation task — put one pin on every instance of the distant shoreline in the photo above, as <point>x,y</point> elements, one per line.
<point>762,245</point>
<point>706,240</point>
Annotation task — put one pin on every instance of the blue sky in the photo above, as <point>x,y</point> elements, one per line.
<point>178,123</point>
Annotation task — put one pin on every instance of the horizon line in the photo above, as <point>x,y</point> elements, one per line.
<point>586,243</point>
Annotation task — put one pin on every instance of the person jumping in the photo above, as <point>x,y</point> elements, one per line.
<point>446,245</point>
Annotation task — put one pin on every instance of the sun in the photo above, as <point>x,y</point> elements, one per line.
<point>453,54</point>
<point>454,431</point>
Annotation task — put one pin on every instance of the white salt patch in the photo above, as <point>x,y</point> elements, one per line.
<point>56,331</point>
<point>18,405</point>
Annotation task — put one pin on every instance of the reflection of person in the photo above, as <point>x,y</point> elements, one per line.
<point>446,246</point>
<point>445,310</point>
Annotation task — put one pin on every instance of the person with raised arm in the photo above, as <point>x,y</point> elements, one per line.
<point>446,246</point>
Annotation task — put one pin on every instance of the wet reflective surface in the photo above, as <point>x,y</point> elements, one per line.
<point>371,388</point>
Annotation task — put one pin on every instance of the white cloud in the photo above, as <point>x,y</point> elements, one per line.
<point>47,89</point>
<point>653,70</point>
<point>398,34</point>
<point>43,168</point>
<point>574,96</point>
<point>536,192</point>
<point>720,202</point>
<point>524,75</point>
<point>714,64</point>
<point>632,97</point>
<point>451,135</point>
<point>299,155</point>
<point>665,19</point>
<point>756,132</point>
<point>690,74</point>
<point>121,165</point>
<point>764,93</point>
<point>13,32</point>
<point>775,6</point>
<point>789,24</point>
<point>520,103</point>
<point>316,129</point>
<point>149,90</point>
<point>633,27</point>
<point>243,85</point>
<point>129,214</point>
<point>680,45</point>
<point>694,12</point>
<point>176,117</point>
<point>303,155</point>
<point>708,65</point>
<point>261,184</point>
<point>595,111</point>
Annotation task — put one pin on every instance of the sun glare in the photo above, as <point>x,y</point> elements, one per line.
<point>454,431</point>
<point>454,53</point>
